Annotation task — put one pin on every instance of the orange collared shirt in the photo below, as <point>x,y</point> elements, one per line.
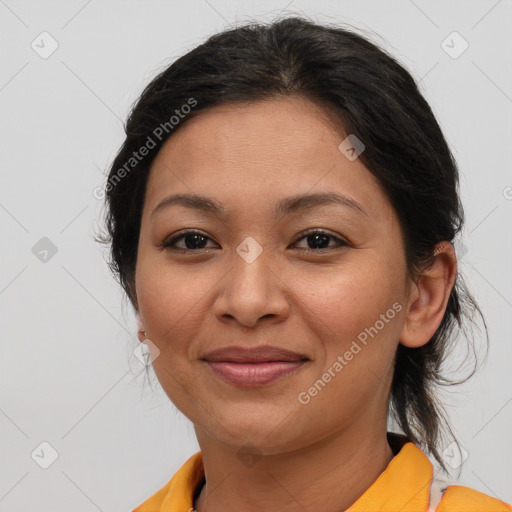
<point>403,486</point>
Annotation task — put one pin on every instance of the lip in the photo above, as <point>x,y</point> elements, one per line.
<point>262,354</point>
<point>254,374</point>
<point>256,366</point>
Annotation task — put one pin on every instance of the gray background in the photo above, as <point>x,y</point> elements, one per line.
<point>68,375</point>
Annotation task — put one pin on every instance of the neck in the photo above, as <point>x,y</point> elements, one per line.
<point>329,475</point>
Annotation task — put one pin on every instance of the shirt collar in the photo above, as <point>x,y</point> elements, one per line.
<point>404,485</point>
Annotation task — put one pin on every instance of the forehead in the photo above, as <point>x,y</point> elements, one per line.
<point>292,124</point>
<point>270,148</point>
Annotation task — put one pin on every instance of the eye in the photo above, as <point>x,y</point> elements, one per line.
<point>193,241</point>
<point>318,238</point>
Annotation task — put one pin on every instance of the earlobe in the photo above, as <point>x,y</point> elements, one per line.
<point>141,333</point>
<point>429,297</point>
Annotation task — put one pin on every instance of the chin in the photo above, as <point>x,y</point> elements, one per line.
<point>263,435</point>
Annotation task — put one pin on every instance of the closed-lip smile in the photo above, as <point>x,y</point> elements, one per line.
<point>254,366</point>
<point>262,354</point>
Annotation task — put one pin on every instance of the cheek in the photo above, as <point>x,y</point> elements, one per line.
<point>355,315</point>
<point>176,302</point>
<point>172,308</point>
<point>170,299</point>
<point>349,300</point>
<point>356,323</point>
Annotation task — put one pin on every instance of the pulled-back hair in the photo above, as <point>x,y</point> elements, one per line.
<point>370,95</point>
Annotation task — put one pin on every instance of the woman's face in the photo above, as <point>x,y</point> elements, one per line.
<point>257,275</point>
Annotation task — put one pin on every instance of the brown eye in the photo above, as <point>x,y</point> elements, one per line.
<point>319,240</point>
<point>193,241</point>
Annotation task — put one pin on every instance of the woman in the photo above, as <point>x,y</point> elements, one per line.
<point>281,216</point>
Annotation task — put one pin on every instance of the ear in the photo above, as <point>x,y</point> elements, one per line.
<point>140,325</point>
<point>429,296</point>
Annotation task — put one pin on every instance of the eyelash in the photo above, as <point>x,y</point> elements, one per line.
<point>168,244</point>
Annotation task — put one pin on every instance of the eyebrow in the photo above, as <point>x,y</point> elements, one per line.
<point>287,206</point>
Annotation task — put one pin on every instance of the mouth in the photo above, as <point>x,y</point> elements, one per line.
<point>254,367</point>
<point>254,374</point>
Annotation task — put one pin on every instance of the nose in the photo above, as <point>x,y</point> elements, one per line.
<point>252,291</point>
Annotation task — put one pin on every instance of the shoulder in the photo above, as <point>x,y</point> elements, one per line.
<point>178,493</point>
<point>458,498</point>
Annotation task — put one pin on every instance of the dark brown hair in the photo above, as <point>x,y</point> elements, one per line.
<point>373,97</point>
